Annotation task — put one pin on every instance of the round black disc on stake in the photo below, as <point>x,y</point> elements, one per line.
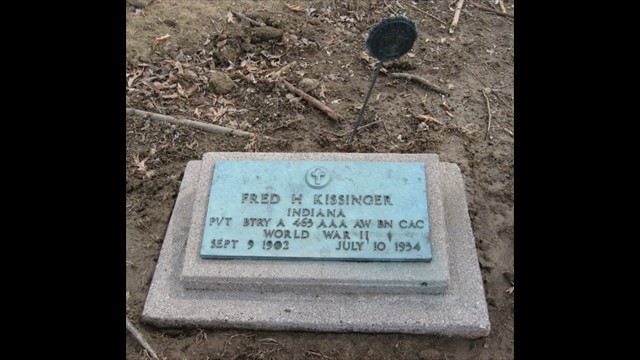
<point>391,38</point>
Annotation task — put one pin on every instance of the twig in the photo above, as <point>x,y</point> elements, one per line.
<point>501,3</point>
<point>251,21</point>
<point>242,76</point>
<point>318,354</point>
<point>492,10</point>
<point>195,124</point>
<point>489,111</point>
<point>278,72</point>
<point>332,133</point>
<point>285,124</point>
<point>419,79</point>
<point>384,125</point>
<point>362,127</point>
<point>136,334</point>
<point>456,16</point>
<point>508,131</point>
<point>502,101</point>
<point>224,347</point>
<point>390,8</point>
<point>349,132</point>
<point>477,77</point>
<point>332,114</point>
<point>428,14</point>
<point>487,86</point>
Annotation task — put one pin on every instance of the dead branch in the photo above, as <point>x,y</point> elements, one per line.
<point>136,334</point>
<point>276,74</point>
<point>492,10</point>
<point>428,14</point>
<point>241,16</point>
<point>456,16</point>
<point>332,114</point>
<point>419,79</point>
<point>195,124</point>
<point>488,110</point>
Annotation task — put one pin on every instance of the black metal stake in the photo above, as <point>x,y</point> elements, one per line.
<point>366,100</point>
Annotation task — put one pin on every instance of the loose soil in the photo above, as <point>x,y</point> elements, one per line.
<point>215,68</point>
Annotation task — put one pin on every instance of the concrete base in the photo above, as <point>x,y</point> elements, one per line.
<point>188,291</point>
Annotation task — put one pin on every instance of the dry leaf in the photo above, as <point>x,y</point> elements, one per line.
<point>154,86</point>
<point>295,8</point>
<point>157,41</point>
<point>136,74</point>
<point>510,290</point>
<point>269,56</point>
<point>140,163</point>
<point>218,113</point>
<point>191,90</point>
<point>428,118</point>
<point>224,101</point>
<point>142,167</point>
<point>229,17</point>
<point>249,67</point>
<point>178,67</point>
<point>181,91</point>
<point>320,91</point>
<point>446,106</point>
<point>193,144</point>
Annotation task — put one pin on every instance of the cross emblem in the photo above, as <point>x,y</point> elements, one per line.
<point>317,175</point>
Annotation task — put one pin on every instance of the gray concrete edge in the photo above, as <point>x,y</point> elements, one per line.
<point>461,311</point>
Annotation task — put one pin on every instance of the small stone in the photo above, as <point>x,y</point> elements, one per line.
<point>308,84</point>
<point>190,74</point>
<point>264,33</point>
<point>140,4</point>
<point>221,83</point>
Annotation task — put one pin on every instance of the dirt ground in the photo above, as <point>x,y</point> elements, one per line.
<point>217,69</point>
